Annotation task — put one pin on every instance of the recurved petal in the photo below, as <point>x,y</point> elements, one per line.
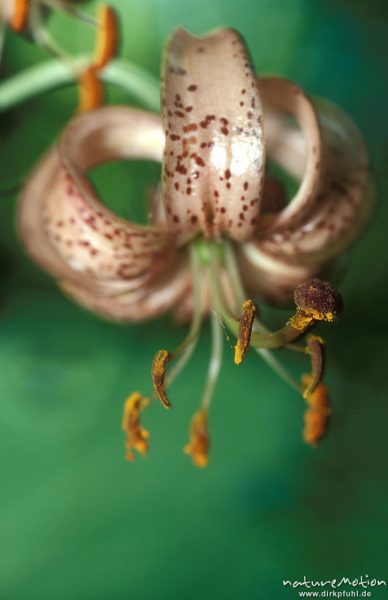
<point>64,225</point>
<point>7,9</point>
<point>336,198</point>
<point>293,140</point>
<point>272,278</point>
<point>148,301</point>
<point>214,156</point>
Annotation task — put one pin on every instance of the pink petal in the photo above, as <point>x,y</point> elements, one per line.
<point>148,301</point>
<point>214,156</point>
<point>272,278</point>
<point>6,10</point>
<point>331,207</point>
<point>298,151</point>
<point>64,225</point>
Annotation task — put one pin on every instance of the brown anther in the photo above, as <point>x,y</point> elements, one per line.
<point>20,15</point>
<point>245,329</point>
<point>137,436</point>
<point>90,90</point>
<point>317,413</point>
<point>317,300</point>
<point>107,37</point>
<point>199,443</point>
<point>158,371</point>
<point>315,349</point>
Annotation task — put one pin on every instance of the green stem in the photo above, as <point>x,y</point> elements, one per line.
<point>53,74</point>
<point>135,81</point>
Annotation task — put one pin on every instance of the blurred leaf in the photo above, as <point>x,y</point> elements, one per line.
<point>77,522</point>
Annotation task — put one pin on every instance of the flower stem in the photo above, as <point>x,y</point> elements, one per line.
<point>54,74</point>
<point>135,81</point>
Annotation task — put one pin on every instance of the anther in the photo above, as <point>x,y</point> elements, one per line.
<point>20,15</point>
<point>245,329</point>
<point>137,436</point>
<point>317,413</point>
<point>199,443</point>
<point>90,90</point>
<point>315,349</point>
<point>316,300</point>
<point>107,37</point>
<point>158,371</point>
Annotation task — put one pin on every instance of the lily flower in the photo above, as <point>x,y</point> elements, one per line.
<point>27,17</point>
<point>222,231</point>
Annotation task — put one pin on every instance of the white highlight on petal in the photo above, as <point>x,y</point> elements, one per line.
<point>218,157</point>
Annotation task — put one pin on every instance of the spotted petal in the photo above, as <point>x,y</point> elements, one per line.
<point>68,230</point>
<point>6,10</point>
<point>162,293</point>
<point>334,199</point>
<point>214,156</point>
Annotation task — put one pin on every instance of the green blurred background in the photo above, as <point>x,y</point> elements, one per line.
<point>79,523</point>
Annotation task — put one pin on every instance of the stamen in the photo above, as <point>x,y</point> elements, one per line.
<point>20,15</point>
<point>317,413</point>
<point>107,37</point>
<point>316,300</point>
<point>43,38</point>
<point>137,436</point>
<point>245,329</point>
<point>90,90</point>
<point>315,349</point>
<point>158,371</point>
<point>238,288</point>
<point>275,364</point>
<point>186,349</point>
<point>215,361</point>
<point>236,283</point>
<point>199,443</point>
<point>184,352</point>
<point>72,10</point>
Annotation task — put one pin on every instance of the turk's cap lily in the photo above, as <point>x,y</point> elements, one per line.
<point>221,225</point>
<point>109,263</point>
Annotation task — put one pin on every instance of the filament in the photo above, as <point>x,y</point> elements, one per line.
<point>267,355</point>
<point>215,362</point>
<point>72,10</point>
<point>44,39</point>
<point>184,352</point>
